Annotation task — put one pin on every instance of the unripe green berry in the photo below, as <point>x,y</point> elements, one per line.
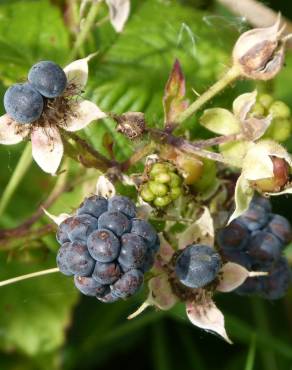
<point>147,194</point>
<point>175,193</point>
<point>162,201</point>
<point>175,180</point>
<point>157,188</point>
<point>162,177</point>
<point>158,168</point>
<point>279,110</point>
<point>281,129</point>
<point>265,100</point>
<point>258,110</point>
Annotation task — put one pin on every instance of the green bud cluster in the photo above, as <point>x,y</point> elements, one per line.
<point>163,187</point>
<point>281,125</point>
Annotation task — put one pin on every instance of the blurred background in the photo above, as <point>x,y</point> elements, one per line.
<point>44,323</point>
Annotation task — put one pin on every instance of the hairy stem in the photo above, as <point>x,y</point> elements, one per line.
<point>217,140</point>
<point>28,276</point>
<point>86,27</point>
<point>20,170</point>
<point>231,75</point>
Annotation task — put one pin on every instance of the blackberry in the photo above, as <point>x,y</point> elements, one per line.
<point>106,248</point>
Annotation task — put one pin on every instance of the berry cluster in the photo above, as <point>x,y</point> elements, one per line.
<point>24,102</point>
<point>106,248</point>
<point>163,187</point>
<point>256,241</point>
<point>197,265</point>
<point>281,125</point>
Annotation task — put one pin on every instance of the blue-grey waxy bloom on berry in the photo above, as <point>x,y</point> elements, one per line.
<point>78,259</point>
<point>103,245</point>
<point>145,230</point>
<point>23,103</point>
<point>281,228</point>
<point>88,286</point>
<point>48,78</point>
<point>93,206</point>
<point>255,218</point>
<point>128,284</point>
<point>117,222</point>
<point>235,235</point>
<point>197,265</point>
<point>106,249</point>
<point>29,115</point>
<point>122,204</point>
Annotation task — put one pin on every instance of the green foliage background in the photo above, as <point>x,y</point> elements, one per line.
<point>44,323</point>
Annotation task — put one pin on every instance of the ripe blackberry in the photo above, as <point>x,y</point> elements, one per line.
<point>106,248</point>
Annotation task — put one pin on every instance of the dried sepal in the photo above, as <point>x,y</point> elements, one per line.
<point>201,231</point>
<point>104,187</point>
<point>259,53</point>
<point>174,94</point>
<point>207,317</point>
<point>119,13</point>
<point>233,275</point>
<point>11,132</point>
<point>57,219</point>
<point>220,121</point>
<point>131,124</point>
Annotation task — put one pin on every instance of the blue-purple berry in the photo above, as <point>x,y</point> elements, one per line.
<point>103,245</point>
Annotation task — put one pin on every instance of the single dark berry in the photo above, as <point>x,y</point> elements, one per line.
<point>133,251</point>
<point>23,103</point>
<point>261,202</point>
<point>108,297</point>
<point>122,204</point>
<point>117,222</point>
<point>264,246</point>
<point>93,206</point>
<point>81,227</point>
<point>237,256</point>
<point>275,285</point>
<point>128,284</point>
<point>145,230</point>
<point>63,230</point>
<point>48,78</point>
<point>103,245</point>
<point>88,286</point>
<point>281,228</point>
<point>235,235</point>
<point>106,273</point>
<point>197,265</point>
<point>62,260</point>
<point>79,260</point>
<point>255,218</point>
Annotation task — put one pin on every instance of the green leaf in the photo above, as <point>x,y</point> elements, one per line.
<point>30,31</point>
<point>34,313</point>
<point>220,121</point>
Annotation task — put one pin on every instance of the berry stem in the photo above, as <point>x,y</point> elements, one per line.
<point>20,170</point>
<point>86,27</point>
<point>28,276</point>
<point>230,76</point>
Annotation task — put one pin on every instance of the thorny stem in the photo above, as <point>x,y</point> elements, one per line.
<point>231,75</point>
<point>21,168</point>
<point>28,276</point>
<point>86,27</point>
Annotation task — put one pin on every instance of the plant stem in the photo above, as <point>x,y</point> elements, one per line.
<point>28,276</point>
<point>217,140</point>
<point>87,25</point>
<point>231,75</point>
<point>138,155</point>
<point>21,168</point>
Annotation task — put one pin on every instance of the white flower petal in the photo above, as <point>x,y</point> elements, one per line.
<point>77,71</point>
<point>10,131</point>
<point>208,317</point>
<point>104,187</point>
<point>119,13</point>
<point>233,275</point>
<point>57,219</point>
<point>47,148</point>
<point>85,112</point>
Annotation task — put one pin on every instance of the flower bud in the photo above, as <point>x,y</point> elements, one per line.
<point>259,53</point>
